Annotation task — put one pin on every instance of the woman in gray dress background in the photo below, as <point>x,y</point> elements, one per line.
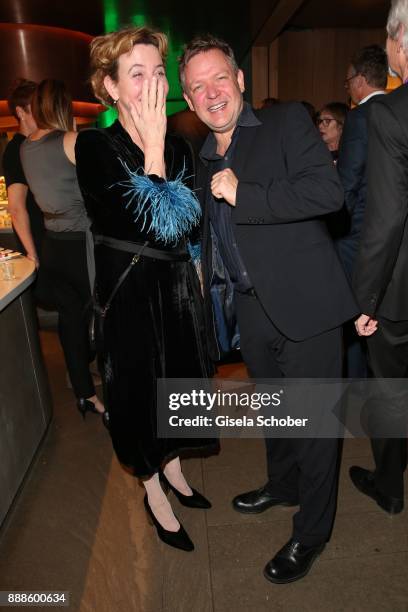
<point>48,162</point>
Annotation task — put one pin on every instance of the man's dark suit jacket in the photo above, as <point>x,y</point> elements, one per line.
<point>287,184</point>
<point>351,166</point>
<point>381,275</point>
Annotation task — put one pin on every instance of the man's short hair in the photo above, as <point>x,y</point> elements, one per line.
<point>268,102</point>
<point>20,95</point>
<point>372,63</point>
<point>201,44</point>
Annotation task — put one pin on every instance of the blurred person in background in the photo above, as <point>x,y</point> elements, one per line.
<point>310,109</point>
<point>366,80</point>
<point>381,270</point>
<point>330,122</point>
<point>48,161</point>
<point>27,218</point>
<point>268,102</point>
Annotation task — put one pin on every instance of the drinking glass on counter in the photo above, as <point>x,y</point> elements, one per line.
<point>7,270</point>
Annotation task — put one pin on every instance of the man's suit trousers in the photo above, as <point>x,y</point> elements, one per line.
<point>299,469</point>
<point>388,358</point>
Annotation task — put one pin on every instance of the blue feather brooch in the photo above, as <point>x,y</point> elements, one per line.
<point>167,208</point>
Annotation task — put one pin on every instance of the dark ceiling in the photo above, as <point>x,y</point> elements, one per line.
<point>238,21</point>
<point>85,16</point>
<point>341,14</point>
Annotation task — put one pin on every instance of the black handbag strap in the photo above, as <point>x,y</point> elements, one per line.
<point>104,309</point>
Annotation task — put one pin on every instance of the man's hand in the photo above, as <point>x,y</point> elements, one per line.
<point>365,325</point>
<point>224,185</point>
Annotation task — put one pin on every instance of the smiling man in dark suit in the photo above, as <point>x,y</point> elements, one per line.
<point>381,274</point>
<point>267,182</point>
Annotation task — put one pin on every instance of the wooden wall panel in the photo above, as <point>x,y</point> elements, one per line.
<point>274,69</point>
<point>260,78</point>
<point>368,37</point>
<point>313,63</point>
<point>296,62</point>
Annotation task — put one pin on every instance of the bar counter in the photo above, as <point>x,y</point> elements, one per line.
<point>25,401</point>
<point>24,277</point>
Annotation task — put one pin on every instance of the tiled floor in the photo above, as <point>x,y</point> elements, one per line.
<point>79,526</point>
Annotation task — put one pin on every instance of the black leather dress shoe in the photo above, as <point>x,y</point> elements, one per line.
<point>364,481</point>
<point>292,562</point>
<point>255,502</point>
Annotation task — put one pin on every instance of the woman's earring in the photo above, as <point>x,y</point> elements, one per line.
<point>115,101</point>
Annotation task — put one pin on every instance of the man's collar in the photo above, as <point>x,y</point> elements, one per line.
<point>246,118</point>
<point>209,149</point>
<point>371,95</point>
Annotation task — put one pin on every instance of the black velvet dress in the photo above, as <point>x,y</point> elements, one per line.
<point>154,327</point>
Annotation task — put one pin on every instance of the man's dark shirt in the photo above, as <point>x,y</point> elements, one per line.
<point>14,173</point>
<point>219,209</point>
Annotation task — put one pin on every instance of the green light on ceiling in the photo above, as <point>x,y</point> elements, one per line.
<point>111,22</point>
<point>111,15</point>
<point>138,20</point>
<point>176,102</point>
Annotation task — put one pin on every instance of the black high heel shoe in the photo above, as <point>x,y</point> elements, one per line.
<point>85,406</point>
<point>178,539</point>
<point>196,500</point>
